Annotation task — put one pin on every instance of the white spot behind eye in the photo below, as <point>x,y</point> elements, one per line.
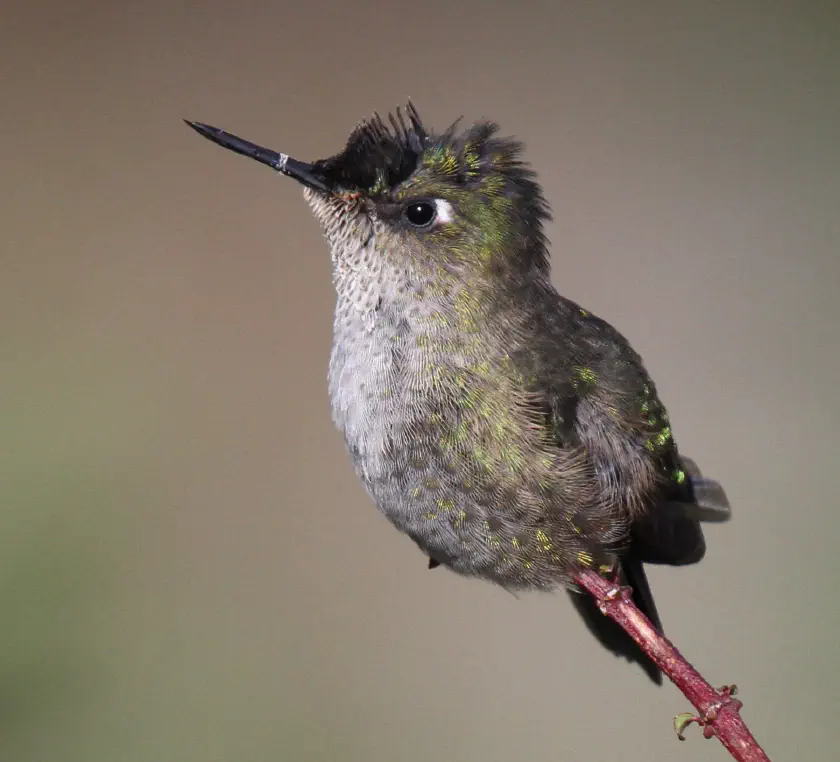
<point>445,212</point>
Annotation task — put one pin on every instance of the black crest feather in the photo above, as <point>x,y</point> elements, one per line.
<point>378,154</point>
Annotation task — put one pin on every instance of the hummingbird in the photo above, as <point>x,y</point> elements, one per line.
<point>513,435</point>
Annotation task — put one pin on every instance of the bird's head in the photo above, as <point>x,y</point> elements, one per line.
<point>462,200</point>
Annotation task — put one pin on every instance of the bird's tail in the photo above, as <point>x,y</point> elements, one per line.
<point>671,534</point>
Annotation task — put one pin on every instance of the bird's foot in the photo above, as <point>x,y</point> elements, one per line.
<point>615,574</point>
<point>617,591</point>
<point>682,721</point>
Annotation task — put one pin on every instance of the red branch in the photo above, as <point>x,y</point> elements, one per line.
<point>718,712</point>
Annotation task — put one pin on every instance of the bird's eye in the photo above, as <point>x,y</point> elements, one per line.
<point>421,214</point>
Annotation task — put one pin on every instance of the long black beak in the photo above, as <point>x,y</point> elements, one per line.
<point>300,171</point>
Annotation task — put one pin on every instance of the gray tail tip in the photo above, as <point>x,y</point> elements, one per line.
<point>710,501</point>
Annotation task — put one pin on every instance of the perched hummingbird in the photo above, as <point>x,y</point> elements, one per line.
<point>513,435</point>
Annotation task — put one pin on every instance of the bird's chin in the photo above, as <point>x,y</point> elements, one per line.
<point>314,195</point>
<point>327,204</point>
<point>342,218</point>
<point>323,205</point>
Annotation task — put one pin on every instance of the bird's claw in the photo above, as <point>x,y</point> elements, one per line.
<point>616,592</point>
<point>682,721</point>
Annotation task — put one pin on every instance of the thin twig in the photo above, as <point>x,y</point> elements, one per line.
<point>718,710</point>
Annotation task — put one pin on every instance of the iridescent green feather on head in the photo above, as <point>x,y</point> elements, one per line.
<point>500,209</point>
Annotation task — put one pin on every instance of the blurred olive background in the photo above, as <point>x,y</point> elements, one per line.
<point>189,569</point>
